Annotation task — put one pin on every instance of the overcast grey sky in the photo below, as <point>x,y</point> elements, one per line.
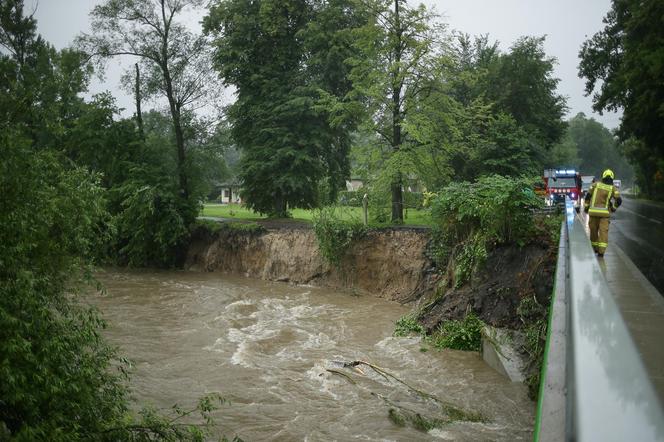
<point>566,23</point>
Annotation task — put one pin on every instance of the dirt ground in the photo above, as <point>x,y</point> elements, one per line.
<point>495,291</point>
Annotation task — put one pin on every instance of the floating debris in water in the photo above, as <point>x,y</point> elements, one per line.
<point>434,413</point>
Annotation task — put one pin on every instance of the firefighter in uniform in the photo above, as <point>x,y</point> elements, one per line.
<point>602,199</point>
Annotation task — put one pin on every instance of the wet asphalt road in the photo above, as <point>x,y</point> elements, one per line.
<point>638,229</point>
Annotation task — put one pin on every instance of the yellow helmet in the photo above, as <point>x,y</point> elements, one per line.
<point>607,172</point>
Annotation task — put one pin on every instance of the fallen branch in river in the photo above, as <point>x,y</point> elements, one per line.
<point>387,375</point>
<point>401,415</point>
<point>341,373</point>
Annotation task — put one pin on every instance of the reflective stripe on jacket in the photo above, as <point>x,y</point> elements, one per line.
<point>601,199</point>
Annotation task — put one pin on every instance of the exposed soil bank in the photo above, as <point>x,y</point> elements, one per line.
<point>497,290</point>
<point>389,263</point>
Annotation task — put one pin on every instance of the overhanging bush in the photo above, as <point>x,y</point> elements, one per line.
<point>473,218</point>
<point>335,235</point>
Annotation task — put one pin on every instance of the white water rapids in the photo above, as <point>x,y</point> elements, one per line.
<point>267,347</point>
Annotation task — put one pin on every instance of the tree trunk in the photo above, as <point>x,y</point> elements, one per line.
<point>397,202</point>
<point>179,136</point>
<point>397,196</point>
<point>179,141</point>
<point>279,206</point>
<point>174,107</point>
<point>139,116</point>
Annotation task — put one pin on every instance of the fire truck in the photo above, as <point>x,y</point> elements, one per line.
<point>561,183</point>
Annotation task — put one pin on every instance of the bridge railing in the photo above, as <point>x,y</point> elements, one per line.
<point>594,384</point>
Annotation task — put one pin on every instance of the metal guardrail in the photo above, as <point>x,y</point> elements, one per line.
<point>604,393</point>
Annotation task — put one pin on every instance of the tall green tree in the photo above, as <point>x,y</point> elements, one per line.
<point>258,50</point>
<point>623,65</point>
<point>598,148</point>
<point>460,132</point>
<point>283,57</point>
<point>522,84</point>
<point>328,43</point>
<point>39,86</point>
<point>396,48</point>
<point>174,63</point>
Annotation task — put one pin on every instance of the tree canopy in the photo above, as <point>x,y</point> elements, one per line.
<point>592,148</point>
<point>473,115</point>
<point>173,60</point>
<point>623,65</point>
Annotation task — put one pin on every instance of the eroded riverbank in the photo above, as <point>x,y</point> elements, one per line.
<point>267,346</point>
<point>387,263</point>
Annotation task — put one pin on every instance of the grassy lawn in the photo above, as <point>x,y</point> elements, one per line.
<point>229,211</point>
<point>234,211</point>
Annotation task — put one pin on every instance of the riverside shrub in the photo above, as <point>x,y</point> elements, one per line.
<point>472,218</point>
<point>459,335</point>
<point>335,235</point>
<point>58,379</point>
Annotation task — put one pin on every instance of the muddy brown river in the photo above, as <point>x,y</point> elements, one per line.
<point>268,348</point>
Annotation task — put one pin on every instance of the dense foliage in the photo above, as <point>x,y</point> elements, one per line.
<point>57,381</point>
<point>150,220</point>
<point>460,335</point>
<point>475,217</point>
<point>335,235</point>
<point>592,148</point>
<point>478,112</point>
<point>465,334</point>
<point>624,64</point>
<point>67,176</point>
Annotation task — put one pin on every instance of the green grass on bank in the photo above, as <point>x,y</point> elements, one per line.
<point>413,217</point>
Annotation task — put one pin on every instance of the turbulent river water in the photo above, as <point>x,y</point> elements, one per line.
<point>267,347</point>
